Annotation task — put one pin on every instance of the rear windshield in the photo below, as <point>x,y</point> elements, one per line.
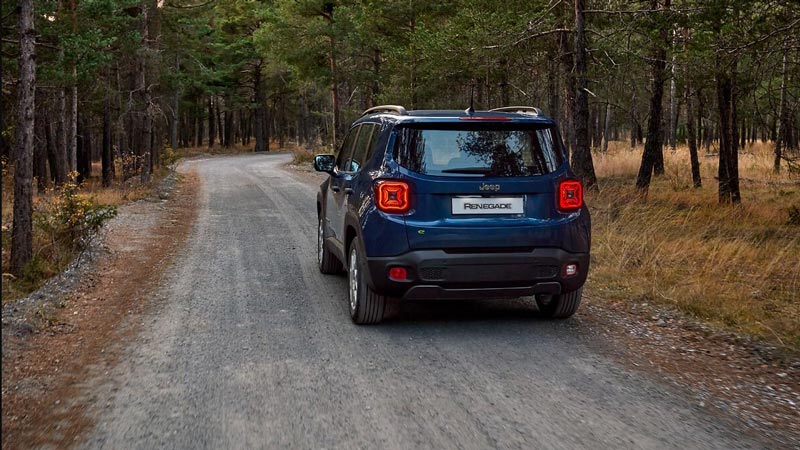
<point>489,150</point>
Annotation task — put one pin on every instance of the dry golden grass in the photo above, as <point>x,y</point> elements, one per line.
<point>305,156</point>
<point>735,266</point>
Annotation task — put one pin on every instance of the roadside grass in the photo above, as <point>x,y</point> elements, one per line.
<point>63,221</point>
<point>303,156</point>
<point>737,267</point>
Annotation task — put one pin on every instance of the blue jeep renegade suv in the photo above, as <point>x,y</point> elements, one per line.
<point>424,205</point>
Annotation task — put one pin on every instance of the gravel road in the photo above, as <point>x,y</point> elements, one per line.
<point>251,347</point>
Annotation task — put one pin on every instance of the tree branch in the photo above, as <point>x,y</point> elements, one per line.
<point>765,37</point>
<point>530,36</point>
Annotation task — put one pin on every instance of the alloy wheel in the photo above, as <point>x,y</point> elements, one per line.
<point>320,242</point>
<point>352,270</point>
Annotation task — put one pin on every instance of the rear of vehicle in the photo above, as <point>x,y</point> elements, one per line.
<point>490,208</point>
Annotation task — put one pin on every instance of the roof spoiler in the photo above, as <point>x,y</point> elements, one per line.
<point>396,109</point>
<point>532,110</point>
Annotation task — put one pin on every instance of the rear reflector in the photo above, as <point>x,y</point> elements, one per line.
<point>392,196</point>
<point>570,270</point>
<point>398,274</point>
<point>570,195</point>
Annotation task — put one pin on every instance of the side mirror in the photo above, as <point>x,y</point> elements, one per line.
<point>324,163</point>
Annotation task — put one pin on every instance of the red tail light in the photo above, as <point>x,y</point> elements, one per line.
<point>570,195</point>
<point>393,196</point>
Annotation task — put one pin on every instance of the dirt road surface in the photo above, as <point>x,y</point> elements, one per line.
<point>249,346</point>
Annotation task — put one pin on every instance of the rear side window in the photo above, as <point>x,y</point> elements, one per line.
<point>508,150</point>
<point>366,140</point>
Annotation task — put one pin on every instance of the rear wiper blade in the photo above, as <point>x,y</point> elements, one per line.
<point>479,170</point>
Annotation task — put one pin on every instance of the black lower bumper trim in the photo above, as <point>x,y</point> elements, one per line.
<point>438,274</point>
<point>428,292</point>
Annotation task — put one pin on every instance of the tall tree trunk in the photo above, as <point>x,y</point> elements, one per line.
<point>582,163</point>
<point>568,67</point>
<point>334,94</point>
<point>22,228</point>
<point>176,103</point>
<point>84,150</point>
<point>5,147</point>
<point>107,157</point>
<point>552,91</point>
<point>691,132</point>
<point>412,29</point>
<point>72,125</point>
<point>691,136</point>
<point>147,119</point>
<point>61,128</point>
<point>261,125</point>
<point>505,92</point>
<point>606,127</point>
<point>243,127</point>
<point>783,113</point>
<point>375,85</point>
<point>728,153</point>
<point>212,122</point>
<point>88,148</point>
<point>199,125</point>
<point>673,105</point>
<point>653,154</point>
<point>305,116</point>
<point>228,136</point>
<point>634,122</point>
<point>40,152</point>
<point>55,157</point>
<point>743,134</point>
<point>597,126</point>
<point>218,117</point>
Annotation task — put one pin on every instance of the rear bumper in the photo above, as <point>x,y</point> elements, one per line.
<point>437,274</point>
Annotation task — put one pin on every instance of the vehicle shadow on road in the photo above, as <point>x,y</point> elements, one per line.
<point>509,310</point>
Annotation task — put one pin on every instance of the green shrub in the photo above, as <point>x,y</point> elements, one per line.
<point>169,156</point>
<point>72,217</point>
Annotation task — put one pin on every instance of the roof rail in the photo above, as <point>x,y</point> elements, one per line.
<point>386,108</point>
<point>519,109</point>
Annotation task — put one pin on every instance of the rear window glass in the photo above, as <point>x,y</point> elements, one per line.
<point>493,150</point>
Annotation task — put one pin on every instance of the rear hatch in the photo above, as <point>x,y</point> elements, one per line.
<point>481,186</point>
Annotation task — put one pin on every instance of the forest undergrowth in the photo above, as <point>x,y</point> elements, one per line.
<point>733,266</point>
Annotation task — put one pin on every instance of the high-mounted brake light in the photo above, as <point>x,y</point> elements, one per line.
<point>486,118</point>
<point>570,195</point>
<point>393,196</point>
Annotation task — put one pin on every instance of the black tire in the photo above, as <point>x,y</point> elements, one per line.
<point>560,306</point>
<point>328,263</point>
<point>366,306</point>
